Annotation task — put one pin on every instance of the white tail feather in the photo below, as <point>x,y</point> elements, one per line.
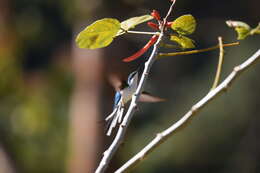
<point>112,114</point>
<point>121,112</point>
<point>112,125</point>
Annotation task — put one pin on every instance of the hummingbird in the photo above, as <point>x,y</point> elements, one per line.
<point>124,93</point>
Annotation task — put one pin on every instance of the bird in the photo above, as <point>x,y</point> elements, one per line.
<point>124,92</point>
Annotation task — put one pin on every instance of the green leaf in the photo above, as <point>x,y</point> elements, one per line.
<point>242,33</point>
<point>184,25</point>
<point>99,34</point>
<point>184,42</point>
<point>242,29</point>
<point>235,24</point>
<point>132,22</point>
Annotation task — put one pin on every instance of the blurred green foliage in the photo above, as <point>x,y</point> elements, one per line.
<point>33,103</point>
<point>33,117</point>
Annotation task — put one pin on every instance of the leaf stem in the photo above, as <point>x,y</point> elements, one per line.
<point>161,55</point>
<point>141,32</point>
<point>220,63</point>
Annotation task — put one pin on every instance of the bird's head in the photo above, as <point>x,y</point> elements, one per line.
<point>132,78</point>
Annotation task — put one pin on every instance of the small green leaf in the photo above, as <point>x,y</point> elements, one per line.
<point>242,29</point>
<point>184,42</point>
<point>235,24</point>
<point>99,34</point>
<point>242,33</point>
<point>132,22</point>
<point>184,25</point>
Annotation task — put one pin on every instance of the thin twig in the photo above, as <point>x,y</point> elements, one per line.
<point>163,136</point>
<point>169,11</point>
<point>220,63</point>
<point>109,153</point>
<point>162,55</point>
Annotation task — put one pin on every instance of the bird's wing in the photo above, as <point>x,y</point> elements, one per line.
<point>147,97</point>
<point>115,81</point>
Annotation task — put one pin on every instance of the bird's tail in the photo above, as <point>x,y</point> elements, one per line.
<point>114,118</point>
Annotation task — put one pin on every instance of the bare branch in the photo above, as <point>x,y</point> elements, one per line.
<point>163,136</point>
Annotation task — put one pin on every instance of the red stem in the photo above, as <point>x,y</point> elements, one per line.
<point>156,15</point>
<point>143,50</point>
<point>153,25</point>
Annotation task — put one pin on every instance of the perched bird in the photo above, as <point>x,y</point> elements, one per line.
<point>124,92</point>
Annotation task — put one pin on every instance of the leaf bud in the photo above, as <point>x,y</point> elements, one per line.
<point>156,15</point>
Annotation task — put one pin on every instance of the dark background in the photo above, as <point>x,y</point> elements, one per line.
<point>54,96</point>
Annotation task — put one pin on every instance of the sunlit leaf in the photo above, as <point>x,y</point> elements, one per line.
<point>184,42</point>
<point>99,34</point>
<point>242,33</point>
<point>234,24</point>
<point>132,22</point>
<point>184,25</point>
<point>241,28</point>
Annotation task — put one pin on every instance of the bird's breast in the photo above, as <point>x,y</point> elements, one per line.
<point>127,94</point>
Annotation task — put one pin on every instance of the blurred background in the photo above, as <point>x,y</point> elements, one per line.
<point>54,96</point>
